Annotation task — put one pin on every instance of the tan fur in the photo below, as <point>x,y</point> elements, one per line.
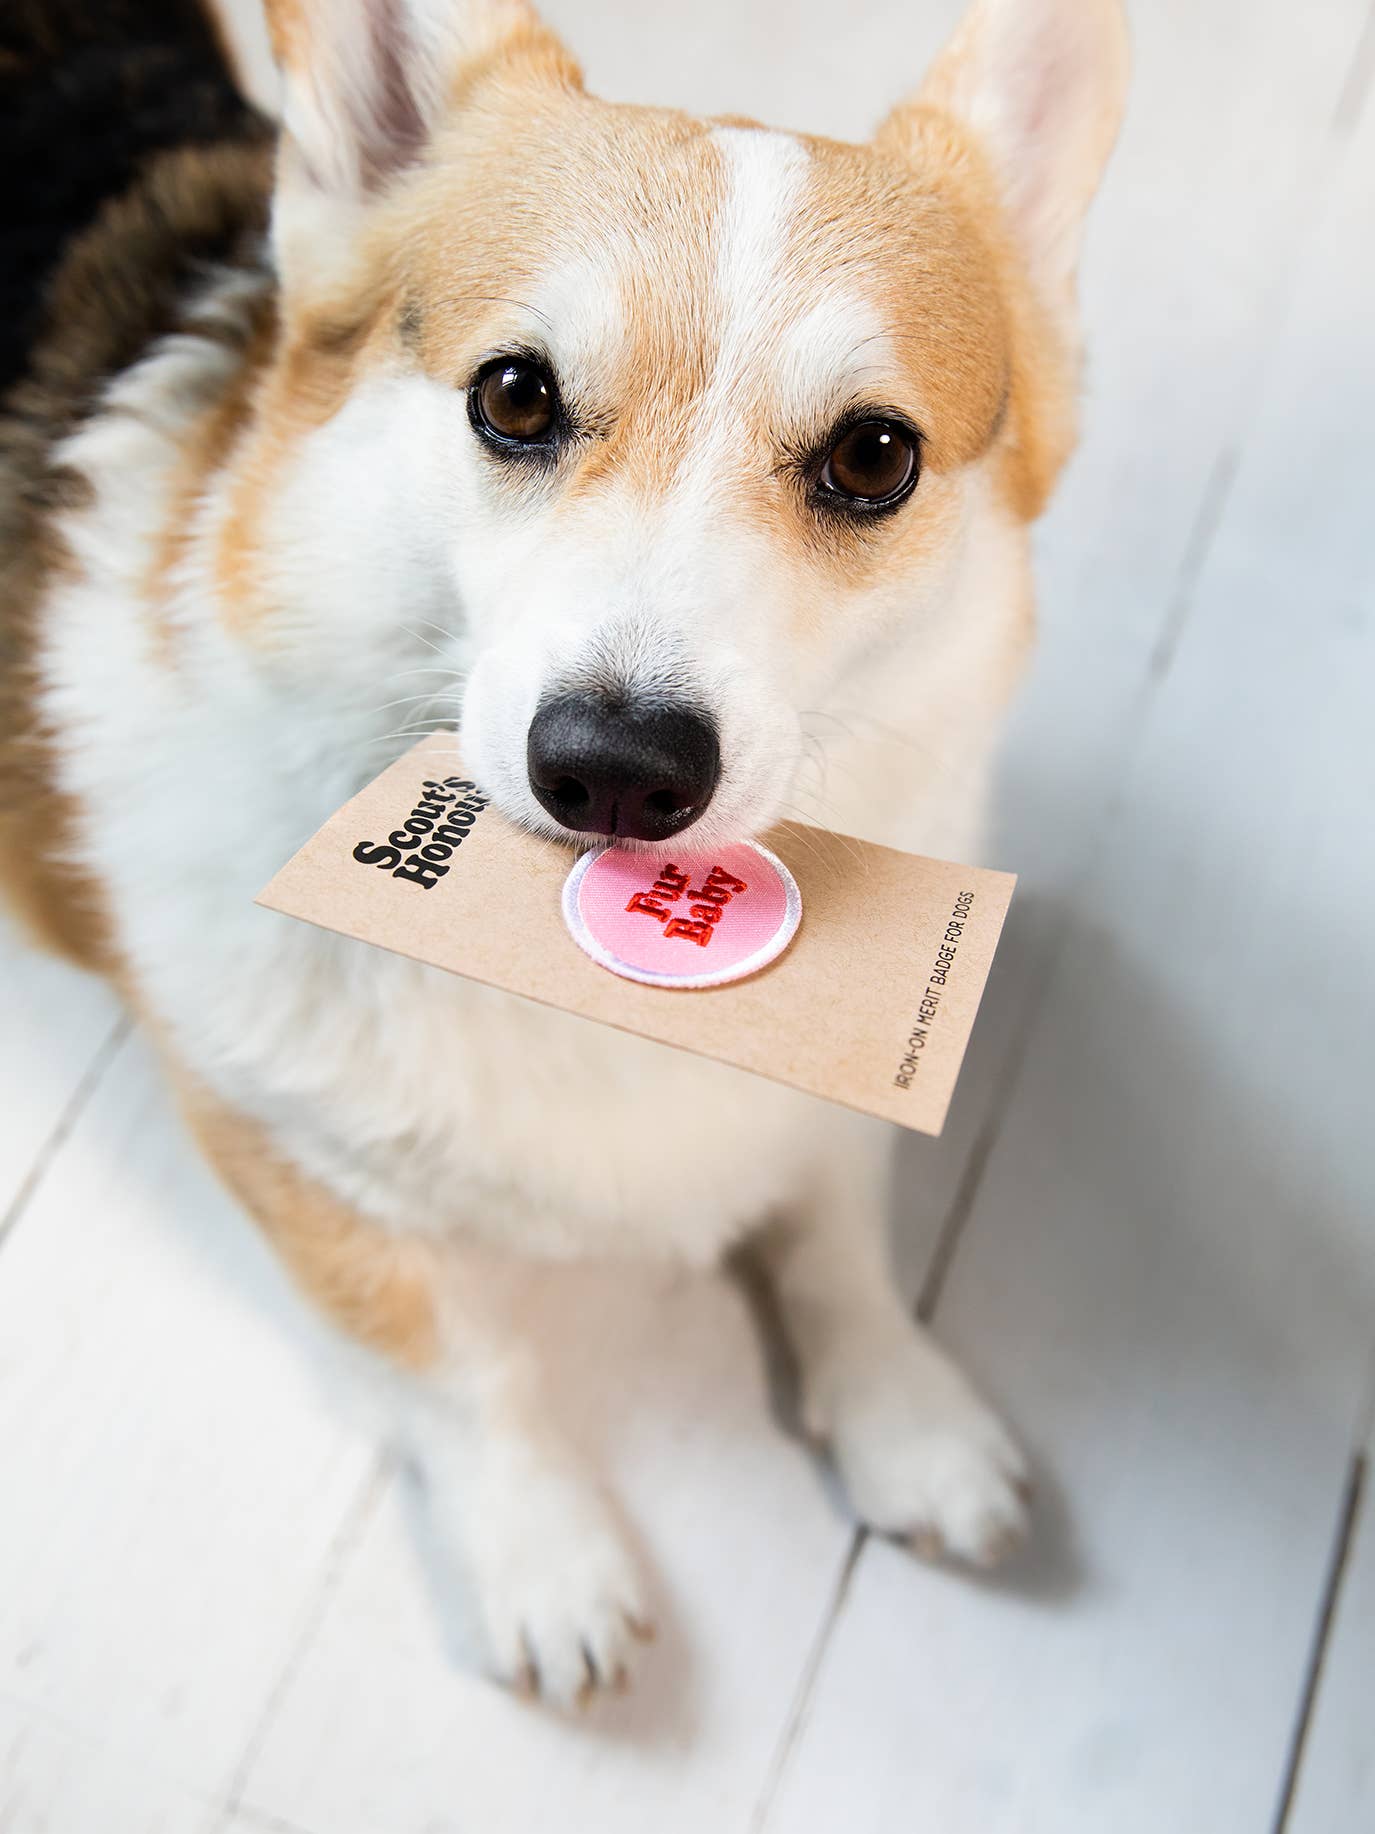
<point>288,28</point>
<point>1037,430</point>
<point>378,1287</point>
<point>907,234</point>
<point>207,451</point>
<point>60,907</point>
<point>528,52</point>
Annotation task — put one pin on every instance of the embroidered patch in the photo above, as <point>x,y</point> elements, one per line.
<point>695,920</point>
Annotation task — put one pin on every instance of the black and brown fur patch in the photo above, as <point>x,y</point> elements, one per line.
<point>90,91</point>
<point>152,218</point>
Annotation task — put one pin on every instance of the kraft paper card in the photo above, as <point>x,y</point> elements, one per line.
<point>870,1004</point>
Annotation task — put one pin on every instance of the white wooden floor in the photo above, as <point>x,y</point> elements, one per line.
<point>1150,1228</point>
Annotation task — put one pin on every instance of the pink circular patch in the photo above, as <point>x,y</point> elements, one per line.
<point>693,920</point>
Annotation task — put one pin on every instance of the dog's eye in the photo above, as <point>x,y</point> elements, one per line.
<point>514,402</point>
<point>873,464</point>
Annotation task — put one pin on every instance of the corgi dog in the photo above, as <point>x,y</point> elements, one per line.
<point>666,459</point>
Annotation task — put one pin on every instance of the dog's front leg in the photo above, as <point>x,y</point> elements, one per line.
<point>921,1455</point>
<point>515,1520</point>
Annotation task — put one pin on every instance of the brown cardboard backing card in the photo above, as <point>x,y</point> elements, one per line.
<point>871,1005</point>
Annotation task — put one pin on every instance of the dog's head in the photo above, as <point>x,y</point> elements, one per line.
<point>661,430</point>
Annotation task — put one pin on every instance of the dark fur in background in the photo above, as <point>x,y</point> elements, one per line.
<point>90,91</point>
<point>134,171</point>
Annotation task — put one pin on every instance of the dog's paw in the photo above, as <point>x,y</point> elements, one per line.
<point>558,1593</point>
<point>923,1458</point>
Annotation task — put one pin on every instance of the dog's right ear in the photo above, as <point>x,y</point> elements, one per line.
<point>1040,85</point>
<point>364,85</point>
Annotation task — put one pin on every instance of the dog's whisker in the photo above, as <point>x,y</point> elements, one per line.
<point>425,668</point>
<point>449,635</point>
<point>820,713</point>
<point>884,734</point>
<point>897,734</point>
<point>407,732</point>
<point>408,700</point>
<point>803,840</point>
<point>420,637</point>
<point>826,762</point>
<point>521,305</point>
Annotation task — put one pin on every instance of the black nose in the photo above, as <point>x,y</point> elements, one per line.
<point>640,772</point>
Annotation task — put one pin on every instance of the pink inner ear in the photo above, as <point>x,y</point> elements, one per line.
<point>1045,80</point>
<point>1042,83</point>
<point>1029,135</point>
<point>392,128</point>
<point>1039,75</point>
<point>359,83</point>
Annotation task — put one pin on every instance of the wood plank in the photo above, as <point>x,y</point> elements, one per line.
<point>55,1023</point>
<point>1335,1789</point>
<point>173,1478</point>
<point>1168,1269</point>
<point>54,1780</point>
<point>246,1821</point>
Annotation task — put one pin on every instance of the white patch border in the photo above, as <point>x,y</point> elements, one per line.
<point>720,977</point>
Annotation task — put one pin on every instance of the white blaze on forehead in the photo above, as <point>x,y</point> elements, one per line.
<point>800,352</point>
<point>765,176</point>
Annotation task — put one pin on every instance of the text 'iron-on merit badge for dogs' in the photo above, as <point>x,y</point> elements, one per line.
<point>867,1000</point>
<point>699,920</point>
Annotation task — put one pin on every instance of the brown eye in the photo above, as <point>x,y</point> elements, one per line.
<point>514,401</point>
<point>874,463</point>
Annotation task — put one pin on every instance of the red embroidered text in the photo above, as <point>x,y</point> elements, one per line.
<point>704,906</point>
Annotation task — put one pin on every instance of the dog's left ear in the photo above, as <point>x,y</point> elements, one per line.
<point>365,84</point>
<point>1040,85</point>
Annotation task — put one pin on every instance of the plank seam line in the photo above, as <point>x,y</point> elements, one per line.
<point>967,1190</point>
<point>341,1546</point>
<point>1355,90</point>
<point>1041,974</point>
<point>252,1818</point>
<point>101,1059</point>
<point>1343,1547</point>
<point>1346,115</point>
<point>1211,510</point>
<point>800,1707</point>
